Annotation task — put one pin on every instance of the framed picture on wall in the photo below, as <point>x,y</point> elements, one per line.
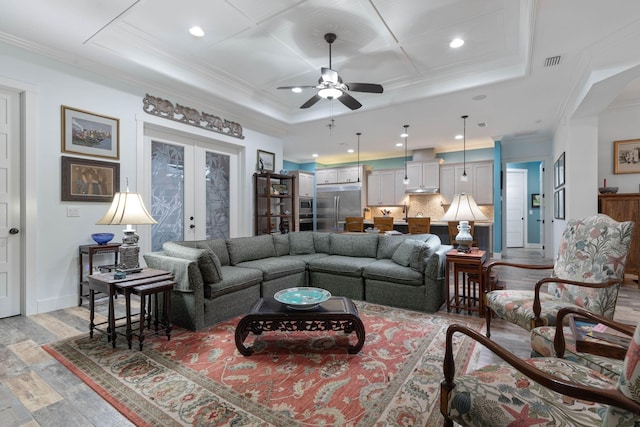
<point>558,204</point>
<point>626,156</point>
<point>558,172</point>
<point>266,161</point>
<point>85,180</point>
<point>535,200</point>
<point>90,134</point>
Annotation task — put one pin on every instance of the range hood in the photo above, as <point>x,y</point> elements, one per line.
<point>422,190</point>
<point>425,155</point>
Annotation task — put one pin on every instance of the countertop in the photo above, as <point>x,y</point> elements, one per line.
<point>402,222</point>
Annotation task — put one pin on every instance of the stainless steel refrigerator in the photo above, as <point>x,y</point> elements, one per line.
<point>334,203</point>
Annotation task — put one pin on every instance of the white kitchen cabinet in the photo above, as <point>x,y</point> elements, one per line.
<point>381,188</point>
<point>326,176</point>
<point>401,197</point>
<point>305,183</point>
<point>423,174</point>
<point>350,174</point>
<point>479,184</point>
<point>340,175</point>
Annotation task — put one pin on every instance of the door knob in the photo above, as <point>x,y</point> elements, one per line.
<point>192,226</point>
<point>13,231</point>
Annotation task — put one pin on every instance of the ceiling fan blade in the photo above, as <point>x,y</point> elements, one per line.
<point>293,87</point>
<point>328,75</point>
<point>315,98</point>
<point>349,101</point>
<point>365,87</point>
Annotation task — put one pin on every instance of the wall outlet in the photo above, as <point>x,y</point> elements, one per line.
<point>71,211</point>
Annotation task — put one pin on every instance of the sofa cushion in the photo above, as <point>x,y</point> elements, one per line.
<point>412,253</point>
<point>388,271</point>
<point>365,245</point>
<point>387,245</point>
<point>235,278</point>
<point>306,258</point>
<point>301,243</point>
<point>273,268</point>
<point>340,265</point>
<point>281,243</point>
<point>243,249</point>
<point>322,242</point>
<point>217,246</point>
<point>209,264</point>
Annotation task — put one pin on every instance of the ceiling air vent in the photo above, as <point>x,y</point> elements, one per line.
<point>552,61</point>
<point>482,125</point>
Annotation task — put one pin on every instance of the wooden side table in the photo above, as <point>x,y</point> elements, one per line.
<point>465,264</point>
<point>107,284</point>
<point>90,251</point>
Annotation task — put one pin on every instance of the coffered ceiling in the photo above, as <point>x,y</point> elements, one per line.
<point>498,77</point>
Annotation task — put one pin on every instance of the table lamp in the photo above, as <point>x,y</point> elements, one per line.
<point>128,208</point>
<point>464,209</point>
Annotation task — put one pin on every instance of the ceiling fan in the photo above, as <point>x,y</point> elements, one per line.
<point>330,85</point>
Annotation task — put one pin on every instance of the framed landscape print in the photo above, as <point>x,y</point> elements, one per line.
<point>90,134</point>
<point>626,156</point>
<point>558,204</point>
<point>535,200</point>
<point>558,172</point>
<point>85,180</point>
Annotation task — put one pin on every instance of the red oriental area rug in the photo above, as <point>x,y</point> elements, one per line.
<point>292,379</point>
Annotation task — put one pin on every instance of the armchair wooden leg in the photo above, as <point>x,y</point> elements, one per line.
<point>488,316</point>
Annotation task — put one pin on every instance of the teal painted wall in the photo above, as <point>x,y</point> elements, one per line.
<point>533,187</point>
<point>471,156</point>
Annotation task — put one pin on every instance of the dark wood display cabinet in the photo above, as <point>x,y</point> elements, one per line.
<point>274,203</point>
<point>625,207</point>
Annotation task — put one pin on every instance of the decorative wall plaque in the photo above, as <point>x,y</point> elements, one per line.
<point>179,113</point>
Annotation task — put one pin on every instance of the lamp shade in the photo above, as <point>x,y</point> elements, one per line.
<point>127,208</point>
<point>463,208</point>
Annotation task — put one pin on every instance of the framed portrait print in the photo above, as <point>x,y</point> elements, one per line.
<point>85,180</point>
<point>626,156</point>
<point>266,161</point>
<point>90,134</point>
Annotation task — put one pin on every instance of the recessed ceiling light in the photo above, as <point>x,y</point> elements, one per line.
<point>350,150</point>
<point>196,31</point>
<point>459,136</point>
<point>314,155</point>
<point>456,43</point>
<point>296,89</point>
<point>399,144</point>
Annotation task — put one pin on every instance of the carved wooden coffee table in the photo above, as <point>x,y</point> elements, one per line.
<point>335,314</point>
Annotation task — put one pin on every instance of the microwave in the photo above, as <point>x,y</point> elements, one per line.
<point>306,205</point>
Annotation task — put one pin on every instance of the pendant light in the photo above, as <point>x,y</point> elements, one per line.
<point>405,181</point>
<point>464,177</point>
<point>358,133</point>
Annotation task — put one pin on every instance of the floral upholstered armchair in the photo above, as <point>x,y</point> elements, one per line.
<point>587,273</point>
<point>541,391</point>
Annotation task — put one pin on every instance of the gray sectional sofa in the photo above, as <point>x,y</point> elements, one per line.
<point>219,279</point>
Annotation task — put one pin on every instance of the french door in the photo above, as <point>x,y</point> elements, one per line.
<point>192,193</point>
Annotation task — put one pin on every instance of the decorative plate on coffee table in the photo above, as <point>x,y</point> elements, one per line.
<point>302,298</point>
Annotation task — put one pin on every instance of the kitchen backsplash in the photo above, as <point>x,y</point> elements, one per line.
<point>428,206</point>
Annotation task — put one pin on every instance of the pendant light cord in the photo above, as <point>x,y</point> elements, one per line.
<point>464,146</point>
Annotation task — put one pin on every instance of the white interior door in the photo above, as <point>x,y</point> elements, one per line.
<point>516,199</point>
<point>10,239</point>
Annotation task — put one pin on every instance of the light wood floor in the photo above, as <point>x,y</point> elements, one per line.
<point>36,390</point>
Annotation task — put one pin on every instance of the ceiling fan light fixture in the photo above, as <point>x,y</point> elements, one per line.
<point>296,89</point>
<point>330,93</point>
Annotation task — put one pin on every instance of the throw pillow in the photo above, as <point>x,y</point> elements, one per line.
<point>281,242</point>
<point>209,264</point>
<point>403,253</point>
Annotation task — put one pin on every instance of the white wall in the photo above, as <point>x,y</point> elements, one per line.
<point>617,125</point>
<point>58,236</point>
